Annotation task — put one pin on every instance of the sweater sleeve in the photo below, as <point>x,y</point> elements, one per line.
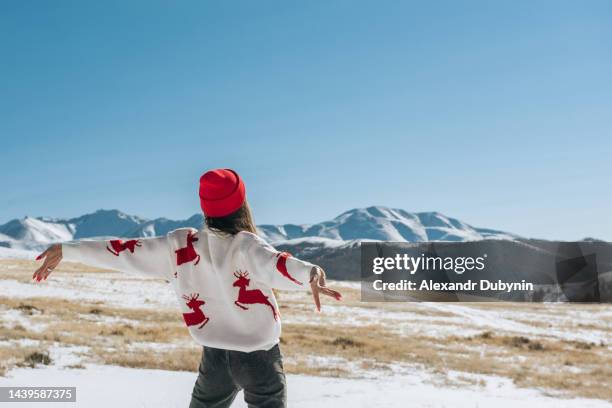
<point>143,256</point>
<point>276,269</point>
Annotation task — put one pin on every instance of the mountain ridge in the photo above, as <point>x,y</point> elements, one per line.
<point>370,223</point>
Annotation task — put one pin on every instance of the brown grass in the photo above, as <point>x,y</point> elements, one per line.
<point>11,356</point>
<point>22,270</point>
<point>180,359</point>
<point>301,367</point>
<point>33,359</point>
<point>530,361</point>
<point>67,324</point>
<point>545,363</point>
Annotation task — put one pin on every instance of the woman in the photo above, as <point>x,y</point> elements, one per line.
<point>223,276</point>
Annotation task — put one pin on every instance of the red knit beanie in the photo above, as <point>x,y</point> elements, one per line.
<point>221,192</point>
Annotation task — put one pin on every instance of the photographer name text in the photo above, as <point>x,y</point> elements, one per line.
<point>467,286</point>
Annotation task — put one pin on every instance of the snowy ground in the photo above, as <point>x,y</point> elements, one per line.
<point>11,253</point>
<point>457,347</point>
<point>108,386</point>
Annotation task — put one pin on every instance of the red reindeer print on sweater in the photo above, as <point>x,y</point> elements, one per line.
<point>250,296</point>
<point>197,316</point>
<point>118,246</point>
<point>188,253</point>
<point>281,265</point>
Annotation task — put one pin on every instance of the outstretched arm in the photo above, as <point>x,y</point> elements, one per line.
<point>145,256</point>
<point>280,270</point>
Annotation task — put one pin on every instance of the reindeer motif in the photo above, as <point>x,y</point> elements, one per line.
<point>188,253</point>
<point>251,296</point>
<point>197,316</point>
<point>281,265</point>
<point>118,246</point>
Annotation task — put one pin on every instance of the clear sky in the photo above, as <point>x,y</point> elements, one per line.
<point>496,113</point>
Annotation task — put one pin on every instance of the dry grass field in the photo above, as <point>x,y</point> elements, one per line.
<point>83,316</point>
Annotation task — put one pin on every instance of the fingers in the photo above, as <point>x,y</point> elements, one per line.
<point>52,258</point>
<point>324,289</point>
<point>322,281</point>
<point>317,290</point>
<point>331,293</point>
<point>47,272</point>
<point>43,272</point>
<point>318,286</point>
<point>51,265</point>
<point>39,272</point>
<point>315,295</point>
<point>42,255</point>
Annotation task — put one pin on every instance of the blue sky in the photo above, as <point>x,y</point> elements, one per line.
<point>497,113</point>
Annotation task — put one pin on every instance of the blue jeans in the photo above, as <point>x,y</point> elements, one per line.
<point>223,373</point>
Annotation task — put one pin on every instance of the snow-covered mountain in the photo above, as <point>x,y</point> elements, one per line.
<point>372,223</point>
<point>385,224</point>
<point>31,233</point>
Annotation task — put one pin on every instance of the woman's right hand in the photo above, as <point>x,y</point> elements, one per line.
<point>52,257</point>
<point>318,286</point>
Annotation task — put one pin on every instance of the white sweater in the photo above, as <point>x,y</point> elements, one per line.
<point>223,283</point>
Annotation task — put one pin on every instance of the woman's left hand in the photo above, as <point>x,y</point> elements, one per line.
<point>52,257</point>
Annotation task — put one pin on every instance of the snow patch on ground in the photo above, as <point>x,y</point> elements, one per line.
<point>123,292</point>
<point>12,318</point>
<point>104,386</point>
<point>496,320</point>
<point>318,241</point>
<point>65,356</point>
<point>12,253</point>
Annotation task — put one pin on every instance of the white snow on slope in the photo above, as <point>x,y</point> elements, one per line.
<point>44,231</point>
